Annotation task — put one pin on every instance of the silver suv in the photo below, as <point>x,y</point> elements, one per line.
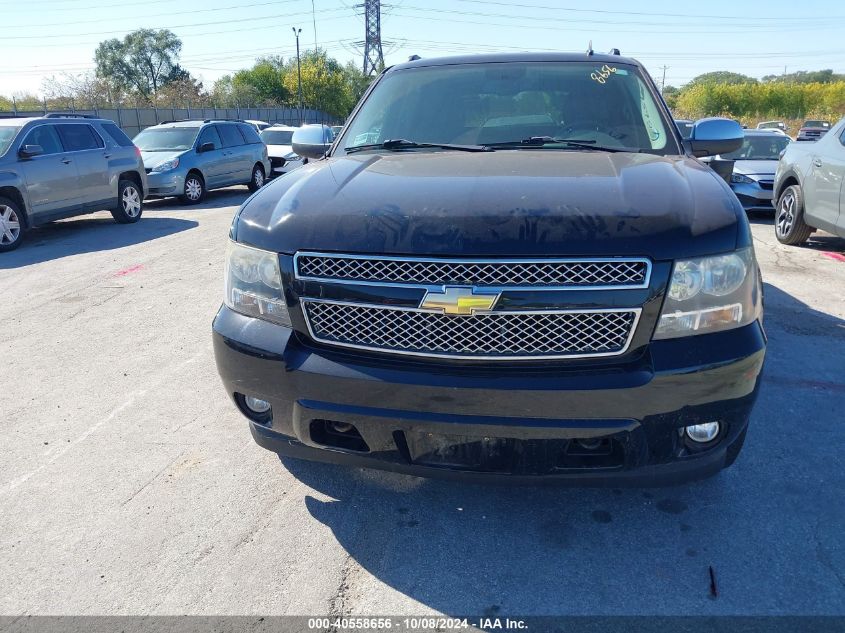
<point>187,158</point>
<point>61,166</point>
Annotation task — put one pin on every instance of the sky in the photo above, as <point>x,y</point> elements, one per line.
<point>43,38</point>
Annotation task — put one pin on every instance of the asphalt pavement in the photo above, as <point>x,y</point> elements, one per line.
<point>129,484</point>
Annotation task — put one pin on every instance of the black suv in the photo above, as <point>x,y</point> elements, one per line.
<point>505,266</point>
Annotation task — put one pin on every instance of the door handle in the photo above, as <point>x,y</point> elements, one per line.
<point>66,161</point>
<point>817,162</point>
<point>106,155</point>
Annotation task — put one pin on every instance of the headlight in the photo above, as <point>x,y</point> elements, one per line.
<point>254,284</point>
<point>711,294</point>
<point>166,165</point>
<point>741,179</point>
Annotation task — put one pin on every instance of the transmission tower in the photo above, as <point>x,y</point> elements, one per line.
<point>373,54</point>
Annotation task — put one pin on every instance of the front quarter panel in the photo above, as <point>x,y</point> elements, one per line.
<point>10,178</point>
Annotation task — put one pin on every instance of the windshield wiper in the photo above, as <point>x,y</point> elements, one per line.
<point>540,141</point>
<point>401,143</point>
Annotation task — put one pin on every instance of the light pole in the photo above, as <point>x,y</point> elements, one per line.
<point>298,70</point>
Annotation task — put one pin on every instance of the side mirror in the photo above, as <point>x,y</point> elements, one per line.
<point>28,151</point>
<point>715,136</point>
<point>206,147</point>
<point>312,141</point>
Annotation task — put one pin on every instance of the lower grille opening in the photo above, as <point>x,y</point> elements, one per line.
<point>338,435</point>
<point>512,455</point>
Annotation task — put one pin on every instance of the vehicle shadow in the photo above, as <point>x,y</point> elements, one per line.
<point>768,530</point>
<point>88,234</point>
<point>819,241</point>
<point>215,199</point>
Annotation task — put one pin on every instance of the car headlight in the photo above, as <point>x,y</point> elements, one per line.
<point>166,165</point>
<point>711,294</point>
<point>741,179</point>
<point>254,284</point>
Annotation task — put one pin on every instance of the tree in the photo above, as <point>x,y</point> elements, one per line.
<point>670,95</point>
<point>326,85</point>
<point>721,77</point>
<point>142,63</point>
<point>807,77</point>
<point>78,91</point>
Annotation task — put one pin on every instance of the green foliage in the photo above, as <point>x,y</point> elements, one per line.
<point>770,100</point>
<point>721,77</point>
<point>142,63</point>
<point>807,77</point>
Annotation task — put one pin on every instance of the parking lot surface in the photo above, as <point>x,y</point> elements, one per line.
<point>129,484</point>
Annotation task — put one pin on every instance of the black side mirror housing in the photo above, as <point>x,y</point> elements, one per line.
<point>28,151</point>
<point>206,147</point>
<point>715,135</point>
<point>312,141</point>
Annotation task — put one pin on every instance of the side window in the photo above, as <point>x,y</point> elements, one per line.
<point>117,135</point>
<point>842,136</point>
<point>78,137</point>
<point>249,133</point>
<point>210,135</point>
<point>230,134</point>
<point>46,137</point>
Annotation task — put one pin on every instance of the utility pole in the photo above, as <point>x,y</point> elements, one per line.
<point>663,81</point>
<point>373,54</point>
<point>314,20</point>
<point>298,71</point>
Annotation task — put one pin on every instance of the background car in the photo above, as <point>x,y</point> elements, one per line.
<point>809,188</point>
<point>813,130</point>
<point>189,158</point>
<point>778,126</point>
<point>258,125</point>
<point>336,129</point>
<point>755,163</point>
<point>58,167</point>
<point>684,127</point>
<point>282,157</point>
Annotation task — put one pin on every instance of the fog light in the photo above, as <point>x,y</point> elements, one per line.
<point>256,405</point>
<point>703,433</point>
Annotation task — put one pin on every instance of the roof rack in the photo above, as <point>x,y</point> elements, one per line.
<point>590,47</point>
<point>414,58</point>
<point>69,115</point>
<point>614,51</point>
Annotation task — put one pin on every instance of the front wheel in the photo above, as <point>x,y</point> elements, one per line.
<point>194,190</point>
<point>258,178</point>
<point>129,203</point>
<point>790,227</point>
<point>11,225</point>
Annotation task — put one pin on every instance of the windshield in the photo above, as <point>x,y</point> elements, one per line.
<point>277,137</point>
<point>7,135</point>
<point>166,139</point>
<point>484,104</point>
<point>759,148</point>
<point>816,124</point>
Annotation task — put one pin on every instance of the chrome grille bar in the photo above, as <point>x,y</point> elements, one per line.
<point>542,274</point>
<point>495,335</point>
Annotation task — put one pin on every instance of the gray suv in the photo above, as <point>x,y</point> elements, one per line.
<point>61,166</point>
<point>187,158</point>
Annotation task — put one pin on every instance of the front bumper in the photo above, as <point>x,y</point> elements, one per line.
<point>754,197</point>
<point>168,183</point>
<point>518,423</point>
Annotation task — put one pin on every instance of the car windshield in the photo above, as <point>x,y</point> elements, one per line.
<point>763,147</point>
<point>7,135</point>
<point>816,124</point>
<point>166,139</point>
<point>489,104</point>
<point>277,137</point>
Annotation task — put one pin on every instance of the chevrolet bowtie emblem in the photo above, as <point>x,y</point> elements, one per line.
<point>459,300</point>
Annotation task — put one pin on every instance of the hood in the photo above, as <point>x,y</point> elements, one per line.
<point>756,167</point>
<point>504,203</point>
<point>278,151</point>
<point>154,159</point>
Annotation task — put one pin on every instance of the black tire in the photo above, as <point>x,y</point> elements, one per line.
<point>194,189</point>
<point>257,179</point>
<point>11,225</point>
<point>790,227</point>
<point>130,203</point>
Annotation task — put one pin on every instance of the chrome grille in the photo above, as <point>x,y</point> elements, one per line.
<point>563,273</point>
<point>491,335</point>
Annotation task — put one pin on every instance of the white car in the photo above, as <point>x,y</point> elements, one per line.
<point>277,138</point>
<point>258,125</point>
